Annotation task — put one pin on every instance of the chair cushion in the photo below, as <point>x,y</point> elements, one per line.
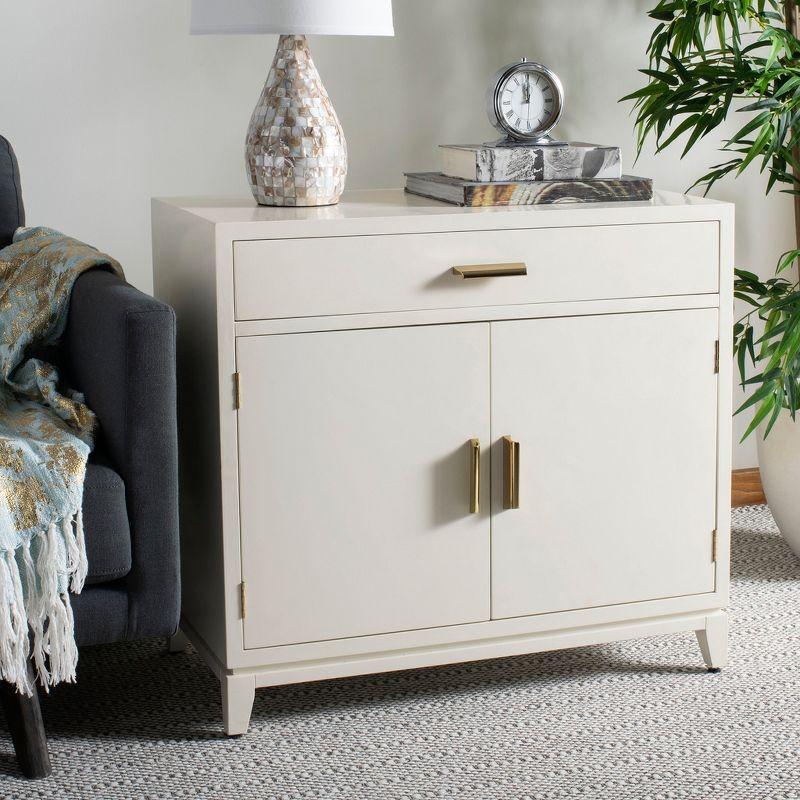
<point>105,522</point>
<point>12,213</point>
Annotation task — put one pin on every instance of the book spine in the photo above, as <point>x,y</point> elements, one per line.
<point>419,191</point>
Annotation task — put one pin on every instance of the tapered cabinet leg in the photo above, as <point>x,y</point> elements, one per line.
<point>178,643</point>
<point>238,694</point>
<point>713,641</point>
<point>24,719</point>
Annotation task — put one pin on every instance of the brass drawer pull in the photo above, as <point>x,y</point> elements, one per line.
<point>510,473</point>
<point>490,270</point>
<point>475,476</point>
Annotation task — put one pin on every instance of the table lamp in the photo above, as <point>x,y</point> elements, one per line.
<point>295,152</point>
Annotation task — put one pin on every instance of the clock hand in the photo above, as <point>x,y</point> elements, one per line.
<point>529,98</point>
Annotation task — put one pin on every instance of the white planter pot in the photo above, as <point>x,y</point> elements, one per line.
<point>779,462</point>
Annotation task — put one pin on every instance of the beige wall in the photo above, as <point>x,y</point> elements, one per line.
<point>109,103</point>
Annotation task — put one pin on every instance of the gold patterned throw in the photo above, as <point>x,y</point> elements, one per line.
<point>46,435</point>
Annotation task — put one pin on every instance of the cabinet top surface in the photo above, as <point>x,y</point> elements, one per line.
<point>398,210</point>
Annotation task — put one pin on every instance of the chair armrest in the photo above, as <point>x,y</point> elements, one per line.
<point>120,345</point>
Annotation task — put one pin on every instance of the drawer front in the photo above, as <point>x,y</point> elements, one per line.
<point>404,272</point>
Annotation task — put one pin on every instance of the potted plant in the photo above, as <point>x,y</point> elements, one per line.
<point>711,59</point>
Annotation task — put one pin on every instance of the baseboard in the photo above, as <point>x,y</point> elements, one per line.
<point>746,488</point>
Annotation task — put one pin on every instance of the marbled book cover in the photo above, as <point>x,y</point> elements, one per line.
<point>487,163</point>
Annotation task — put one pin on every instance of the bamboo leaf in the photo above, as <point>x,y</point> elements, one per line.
<point>764,409</point>
<point>765,391</point>
<point>741,354</point>
<point>773,418</point>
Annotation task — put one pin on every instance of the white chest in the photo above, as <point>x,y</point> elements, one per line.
<point>387,465</point>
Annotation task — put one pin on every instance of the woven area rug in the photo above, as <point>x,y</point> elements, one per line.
<point>639,720</point>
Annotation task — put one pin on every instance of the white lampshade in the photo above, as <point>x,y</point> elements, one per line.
<point>318,17</point>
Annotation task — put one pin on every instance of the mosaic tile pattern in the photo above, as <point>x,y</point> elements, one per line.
<point>296,153</point>
<point>637,720</point>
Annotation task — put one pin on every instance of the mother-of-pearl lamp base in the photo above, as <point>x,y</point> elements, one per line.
<point>296,153</point>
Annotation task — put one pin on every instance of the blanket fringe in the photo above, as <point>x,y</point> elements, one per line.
<point>13,628</point>
<point>42,607</point>
<point>76,551</point>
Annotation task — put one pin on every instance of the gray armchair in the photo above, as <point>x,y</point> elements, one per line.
<point>119,349</point>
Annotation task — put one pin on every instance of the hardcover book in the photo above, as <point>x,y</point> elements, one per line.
<point>527,193</point>
<point>521,162</point>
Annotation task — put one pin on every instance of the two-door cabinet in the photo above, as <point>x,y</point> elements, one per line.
<point>415,434</point>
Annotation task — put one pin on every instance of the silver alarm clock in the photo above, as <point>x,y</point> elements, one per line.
<point>525,101</point>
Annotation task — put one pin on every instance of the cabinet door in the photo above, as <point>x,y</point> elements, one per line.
<point>355,481</point>
<point>616,420</point>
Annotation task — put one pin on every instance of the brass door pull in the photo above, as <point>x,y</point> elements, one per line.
<point>510,473</point>
<point>474,476</point>
<point>490,270</point>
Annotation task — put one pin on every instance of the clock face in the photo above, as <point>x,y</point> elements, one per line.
<point>526,101</point>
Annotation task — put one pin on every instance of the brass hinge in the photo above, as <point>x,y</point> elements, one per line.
<point>716,357</point>
<point>714,546</point>
<point>237,390</point>
<point>243,598</point>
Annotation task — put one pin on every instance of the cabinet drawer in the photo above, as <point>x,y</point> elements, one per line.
<point>402,272</point>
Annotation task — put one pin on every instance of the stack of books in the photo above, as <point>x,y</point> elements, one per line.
<point>509,174</point>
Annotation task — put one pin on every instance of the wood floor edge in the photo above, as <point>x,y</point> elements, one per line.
<point>746,488</point>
